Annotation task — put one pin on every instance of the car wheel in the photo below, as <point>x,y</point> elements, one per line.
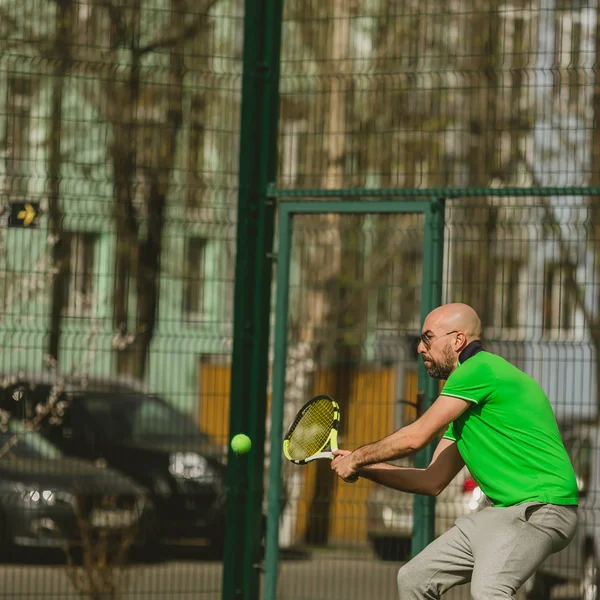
<point>591,578</point>
<point>391,549</point>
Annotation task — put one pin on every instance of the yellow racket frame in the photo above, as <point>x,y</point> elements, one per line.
<point>332,440</point>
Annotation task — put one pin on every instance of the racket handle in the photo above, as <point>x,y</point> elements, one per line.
<point>352,479</point>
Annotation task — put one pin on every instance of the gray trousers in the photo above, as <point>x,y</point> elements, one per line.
<point>496,549</point>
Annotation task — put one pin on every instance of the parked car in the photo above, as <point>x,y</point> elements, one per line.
<point>579,562</point>
<point>45,496</point>
<point>140,435</point>
<point>390,513</point>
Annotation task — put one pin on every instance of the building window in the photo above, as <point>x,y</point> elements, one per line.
<point>18,107</point>
<point>467,283</point>
<point>559,298</point>
<point>193,286</point>
<point>507,301</point>
<point>79,276</point>
<point>196,166</point>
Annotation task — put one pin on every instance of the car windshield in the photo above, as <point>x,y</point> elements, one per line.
<point>129,417</point>
<point>20,443</point>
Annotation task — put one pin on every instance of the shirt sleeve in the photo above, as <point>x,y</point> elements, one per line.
<point>471,384</point>
<point>449,434</point>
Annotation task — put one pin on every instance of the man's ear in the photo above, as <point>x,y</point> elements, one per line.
<point>461,341</point>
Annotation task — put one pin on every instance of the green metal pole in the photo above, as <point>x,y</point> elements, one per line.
<point>433,257</point>
<point>279,364</point>
<point>252,300</point>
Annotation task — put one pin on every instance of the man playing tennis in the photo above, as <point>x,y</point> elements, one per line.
<point>499,422</point>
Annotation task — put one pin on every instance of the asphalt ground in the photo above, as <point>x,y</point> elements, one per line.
<point>320,575</point>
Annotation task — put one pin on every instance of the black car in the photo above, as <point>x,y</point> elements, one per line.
<point>45,497</point>
<point>140,435</point>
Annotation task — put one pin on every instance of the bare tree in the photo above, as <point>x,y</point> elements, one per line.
<point>143,153</point>
<point>97,564</point>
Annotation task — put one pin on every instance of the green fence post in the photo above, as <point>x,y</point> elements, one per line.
<point>253,272</point>
<point>279,368</point>
<point>431,297</point>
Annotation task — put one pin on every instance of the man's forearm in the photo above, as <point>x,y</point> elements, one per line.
<point>404,479</point>
<point>401,443</point>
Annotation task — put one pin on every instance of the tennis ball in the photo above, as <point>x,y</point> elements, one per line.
<point>241,443</point>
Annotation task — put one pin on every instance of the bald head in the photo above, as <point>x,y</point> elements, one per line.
<point>454,317</point>
<point>447,331</point>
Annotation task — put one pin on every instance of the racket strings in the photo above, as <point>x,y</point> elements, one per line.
<point>311,430</point>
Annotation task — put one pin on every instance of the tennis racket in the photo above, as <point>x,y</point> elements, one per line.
<point>313,433</point>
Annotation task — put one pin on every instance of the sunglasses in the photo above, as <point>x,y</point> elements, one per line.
<point>428,341</point>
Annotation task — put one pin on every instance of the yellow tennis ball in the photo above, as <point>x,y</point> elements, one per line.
<point>241,443</point>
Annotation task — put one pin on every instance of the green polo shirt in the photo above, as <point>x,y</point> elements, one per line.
<point>508,437</point>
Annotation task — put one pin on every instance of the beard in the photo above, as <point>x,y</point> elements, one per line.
<point>441,369</point>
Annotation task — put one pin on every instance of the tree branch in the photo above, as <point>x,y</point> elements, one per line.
<point>188,32</point>
<point>8,20</point>
<point>42,44</point>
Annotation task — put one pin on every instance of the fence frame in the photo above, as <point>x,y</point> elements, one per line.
<point>433,211</point>
<point>431,203</point>
<point>448,193</point>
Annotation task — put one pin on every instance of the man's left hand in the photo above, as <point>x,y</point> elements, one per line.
<point>344,466</point>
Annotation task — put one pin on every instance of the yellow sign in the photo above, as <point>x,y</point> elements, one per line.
<point>27,214</point>
<point>23,214</point>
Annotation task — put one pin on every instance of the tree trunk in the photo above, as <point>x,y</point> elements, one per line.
<point>317,532</point>
<point>133,360</point>
<point>325,292</point>
<point>60,249</point>
<point>346,316</point>
<point>594,208</point>
<point>124,160</point>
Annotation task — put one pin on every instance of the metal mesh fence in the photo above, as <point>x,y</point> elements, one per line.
<point>119,135</point>
<point>412,96</point>
<point>119,129</point>
<point>528,267</point>
<point>408,94</point>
